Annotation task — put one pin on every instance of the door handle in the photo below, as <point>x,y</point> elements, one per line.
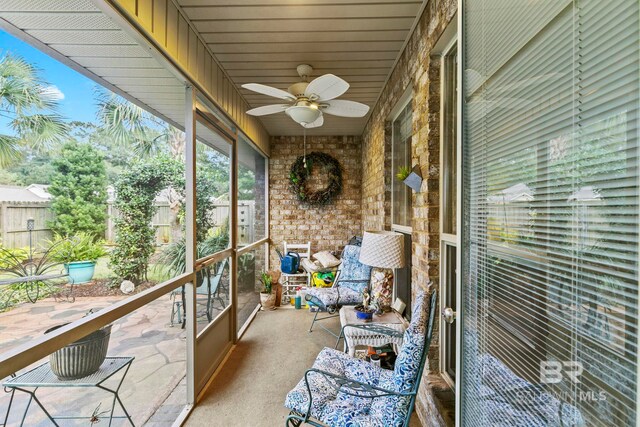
<point>448,315</point>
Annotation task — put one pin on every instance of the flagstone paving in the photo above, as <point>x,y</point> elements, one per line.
<point>159,364</point>
<point>154,390</point>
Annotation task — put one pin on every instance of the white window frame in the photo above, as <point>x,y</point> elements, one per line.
<point>443,47</point>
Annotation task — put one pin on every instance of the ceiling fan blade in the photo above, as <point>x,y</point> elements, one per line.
<point>344,108</point>
<point>315,124</point>
<point>269,91</point>
<point>326,87</point>
<point>267,109</point>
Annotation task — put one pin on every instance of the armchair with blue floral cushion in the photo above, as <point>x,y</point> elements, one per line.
<point>351,280</point>
<point>340,390</point>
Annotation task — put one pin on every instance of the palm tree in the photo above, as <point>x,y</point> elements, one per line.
<point>132,127</point>
<point>29,104</point>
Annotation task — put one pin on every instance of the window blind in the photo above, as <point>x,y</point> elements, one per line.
<point>550,212</point>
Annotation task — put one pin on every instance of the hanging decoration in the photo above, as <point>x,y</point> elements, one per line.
<point>301,171</point>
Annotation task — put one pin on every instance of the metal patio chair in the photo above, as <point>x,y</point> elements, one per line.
<point>352,278</point>
<point>340,390</point>
<point>209,287</point>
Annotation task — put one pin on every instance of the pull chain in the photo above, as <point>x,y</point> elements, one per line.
<point>304,150</point>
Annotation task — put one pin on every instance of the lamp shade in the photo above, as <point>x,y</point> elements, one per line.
<point>382,249</point>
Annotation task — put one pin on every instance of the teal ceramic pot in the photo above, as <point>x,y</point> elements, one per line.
<point>80,271</point>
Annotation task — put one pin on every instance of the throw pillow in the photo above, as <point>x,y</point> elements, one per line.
<point>327,259</point>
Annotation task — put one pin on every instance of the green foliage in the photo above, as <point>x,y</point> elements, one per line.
<point>29,103</point>
<point>80,247</point>
<point>15,264</point>
<point>38,169</point>
<point>246,183</point>
<point>9,257</point>
<point>135,192</point>
<point>246,270</point>
<point>174,257</point>
<point>205,191</point>
<point>125,122</point>
<point>266,281</point>
<point>129,126</point>
<point>403,173</point>
<point>79,189</point>
<point>300,173</point>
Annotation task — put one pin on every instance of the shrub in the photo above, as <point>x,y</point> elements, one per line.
<point>11,257</point>
<point>135,193</point>
<point>79,189</point>
<point>175,255</point>
<point>80,247</point>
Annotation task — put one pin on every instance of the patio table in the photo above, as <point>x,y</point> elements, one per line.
<point>42,377</point>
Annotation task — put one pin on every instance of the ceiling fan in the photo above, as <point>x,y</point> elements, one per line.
<point>308,100</point>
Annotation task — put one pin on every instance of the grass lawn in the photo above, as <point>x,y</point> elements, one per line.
<point>156,273</point>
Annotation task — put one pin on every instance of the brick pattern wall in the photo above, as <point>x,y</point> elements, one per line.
<point>327,227</point>
<point>418,70</point>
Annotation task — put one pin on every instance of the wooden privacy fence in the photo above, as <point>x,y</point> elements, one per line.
<point>13,223</point>
<point>14,216</point>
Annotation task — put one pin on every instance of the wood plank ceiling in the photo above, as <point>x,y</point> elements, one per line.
<point>262,41</point>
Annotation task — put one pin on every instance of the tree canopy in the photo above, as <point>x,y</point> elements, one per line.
<point>30,104</point>
<point>79,189</point>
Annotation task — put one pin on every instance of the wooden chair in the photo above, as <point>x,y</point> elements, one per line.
<point>291,281</point>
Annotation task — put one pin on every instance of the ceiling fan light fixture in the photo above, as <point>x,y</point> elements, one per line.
<point>303,113</point>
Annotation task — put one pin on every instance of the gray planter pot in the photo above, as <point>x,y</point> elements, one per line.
<point>414,180</point>
<point>81,358</point>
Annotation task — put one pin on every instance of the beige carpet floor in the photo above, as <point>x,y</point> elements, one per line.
<point>268,361</point>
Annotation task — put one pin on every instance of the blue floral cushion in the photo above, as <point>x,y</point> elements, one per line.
<point>352,269</point>
<point>505,406</point>
<point>324,297</point>
<point>334,407</point>
<point>409,358</point>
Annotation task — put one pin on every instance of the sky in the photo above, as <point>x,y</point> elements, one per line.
<point>76,91</point>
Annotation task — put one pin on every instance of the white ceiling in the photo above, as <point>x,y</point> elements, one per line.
<point>80,35</point>
<point>262,41</point>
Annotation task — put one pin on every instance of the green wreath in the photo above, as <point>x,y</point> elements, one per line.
<point>299,175</point>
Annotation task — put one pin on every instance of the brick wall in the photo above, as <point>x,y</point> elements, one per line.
<point>327,227</point>
<point>418,70</point>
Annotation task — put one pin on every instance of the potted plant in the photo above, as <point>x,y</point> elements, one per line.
<point>267,298</point>
<point>79,254</point>
<point>411,177</point>
<point>364,311</point>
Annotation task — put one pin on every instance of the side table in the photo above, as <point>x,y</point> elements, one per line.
<point>41,376</point>
<point>384,329</point>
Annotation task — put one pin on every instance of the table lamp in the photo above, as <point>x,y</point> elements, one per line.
<point>382,250</point>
